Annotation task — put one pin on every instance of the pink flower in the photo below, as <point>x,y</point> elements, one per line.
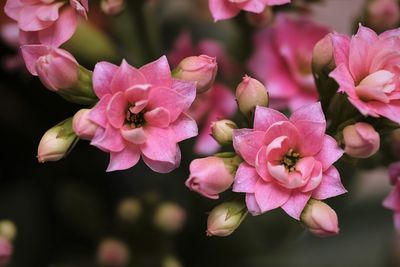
<point>47,22</point>
<point>209,177</point>
<point>213,105</point>
<point>286,161</point>
<point>367,71</point>
<point>394,172</point>
<point>141,112</point>
<point>392,202</point>
<point>225,9</point>
<point>282,61</point>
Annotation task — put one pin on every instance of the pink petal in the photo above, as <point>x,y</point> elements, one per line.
<point>31,53</point>
<point>49,12</point>
<point>265,117</point>
<point>187,90</point>
<point>314,177</point>
<point>341,47</point>
<point>329,153</point>
<point>116,110</point>
<point>390,111</point>
<point>296,203</point>
<point>158,117</point>
<point>252,205</point>
<point>247,143</point>
<point>158,73</point>
<point>163,166</point>
<point>223,9</point>
<point>28,20</point>
<point>392,201</point>
<point>343,77</point>
<point>261,164</point>
<point>125,77</point>
<point>136,136</point>
<point>330,185</point>
<point>245,179</point>
<point>136,93</point>
<point>125,159</point>
<point>270,195</point>
<point>13,9</point>
<point>312,113</point>
<point>254,6</point>
<point>284,128</point>
<point>98,113</point>
<point>102,76</point>
<point>109,140</point>
<point>184,128</point>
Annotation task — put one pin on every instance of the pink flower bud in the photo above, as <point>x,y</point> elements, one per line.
<point>129,210</point>
<point>57,142</point>
<point>222,131</point>
<point>169,217</point>
<point>383,14</point>
<point>6,251</point>
<point>209,176</point>
<point>83,127</point>
<point>323,55</point>
<point>225,218</point>
<point>249,94</point>
<point>112,7</point>
<point>361,140</point>
<point>112,253</point>
<point>320,219</point>
<point>201,69</point>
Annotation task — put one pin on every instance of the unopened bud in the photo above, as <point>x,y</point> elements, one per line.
<point>249,94</point>
<point>57,142</point>
<point>8,230</point>
<point>112,253</point>
<point>129,210</point>
<point>169,217</point>
<point>322,59</point>
<point>383,15</point>
<point>83,127</point>
<point>226,218</point>
<point>201,69</point>
<point>112,7</point>
<point>6,251</point>
<point>361,140</point>
<point>320,219</point>
<point>222,131</point>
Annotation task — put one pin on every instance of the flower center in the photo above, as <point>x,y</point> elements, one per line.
<point>134,120</point>
<point>290,160</point>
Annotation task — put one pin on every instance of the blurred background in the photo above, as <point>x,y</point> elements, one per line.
<point>72,213</point>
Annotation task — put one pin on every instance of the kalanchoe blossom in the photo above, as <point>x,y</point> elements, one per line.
<point>225,9</point>
<point>367,71</point>
<point>141,112</point>
<point>286,161</point>
<point>47,22</point>
<point>213,105</point>
<point>282,61</point>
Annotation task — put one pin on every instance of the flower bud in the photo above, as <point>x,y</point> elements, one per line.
<point>6,251</point>
<point>323,56</point>
<point>169,217</point>
<point>112,7</point>
<point>249,94</point>
<point>383,15</point>
<point>320,219</point>
<point>8,230</point>
<point>112,253</point>
<point>201,69</point>
<point>361,140</point>
<point>222,131</point>
<point>213,175</point>
<point>225,218</point>
<point>129,210</point>
<point>57,142</point>
<point>83,127</point>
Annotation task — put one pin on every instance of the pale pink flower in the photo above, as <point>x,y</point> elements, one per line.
<point>367,71</point>
<point>213,105</point>
<point>392,202</point>
<point>47,22</point>
<point>141,112</point>
<point>282,61</point>
<point>225,9</point>
<point>286,161</point>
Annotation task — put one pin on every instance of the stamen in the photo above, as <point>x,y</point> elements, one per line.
<point>290,160</point>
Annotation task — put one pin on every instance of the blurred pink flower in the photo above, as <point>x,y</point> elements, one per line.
<point>225,9</point>
<point>141,112</point>
<point>46,22</point>
<point>392,202</point>
<point>213,105</point>
<point>286,161</point>
<point>394,172</point>
<point>282,61</point>
<point>367,70</point>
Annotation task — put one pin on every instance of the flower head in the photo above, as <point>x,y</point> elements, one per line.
<point>141,112</point>
<point>286,161</point>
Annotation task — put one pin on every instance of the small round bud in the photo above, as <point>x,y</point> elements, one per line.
<point>83,127</point>
<point>249,94</point>
<point>222,131</point>
<point>129,210</point>
<point>169,217</point>
<point>320,219</point>
<point>323,55</point>
<point>361,140</point>
<point>112,253</point>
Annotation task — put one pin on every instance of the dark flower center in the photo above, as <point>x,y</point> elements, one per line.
<point>134,120</point>
<point>290,160</point>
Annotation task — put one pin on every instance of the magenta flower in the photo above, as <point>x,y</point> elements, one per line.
<point>225,9</point>
<point>213,105</point>
<point>141,112</point>
<point>286,161</point>
<point>367,71</point>
<point>282,61</point>
<point>47,22</point>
